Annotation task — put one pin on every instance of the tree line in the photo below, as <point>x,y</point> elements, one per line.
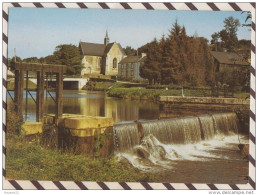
<point>65,54</point>
<point>178,59</point>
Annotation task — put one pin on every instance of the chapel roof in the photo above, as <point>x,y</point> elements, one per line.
<point>96,49</point>
<point>92,49</point>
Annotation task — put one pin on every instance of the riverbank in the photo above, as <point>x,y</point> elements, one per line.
<point>29,161</point>
<point>141,93</point>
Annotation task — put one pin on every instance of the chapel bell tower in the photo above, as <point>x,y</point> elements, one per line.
<point>106,39</point>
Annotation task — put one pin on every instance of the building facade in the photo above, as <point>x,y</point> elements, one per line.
<point>229,62</point>
<point>101,58</point>
<point>129,67</point>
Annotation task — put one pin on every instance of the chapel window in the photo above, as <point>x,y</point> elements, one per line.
<point>114,63</point>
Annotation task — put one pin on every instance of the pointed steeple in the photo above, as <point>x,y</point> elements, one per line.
<point>106,40</point>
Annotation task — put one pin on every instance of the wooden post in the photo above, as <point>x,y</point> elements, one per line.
<point>26,103</point>
<point>16,87</point>
<point>46,103</point>
<point>40,95</point>
<point>59,95</point>
<point>20,94</point>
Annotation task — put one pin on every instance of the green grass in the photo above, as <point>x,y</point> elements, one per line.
<point>97,86</point>
<point>31,85</point>
<point>153,94</point>
<point>141,93</point>
<point>30,161</point>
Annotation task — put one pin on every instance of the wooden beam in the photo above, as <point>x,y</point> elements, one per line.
<point>38,67</point>
<point>59,95</point>
<point>40,96</point>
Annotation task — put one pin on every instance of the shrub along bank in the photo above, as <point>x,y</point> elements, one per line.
<point>97,86</point>
<point>140,93</point>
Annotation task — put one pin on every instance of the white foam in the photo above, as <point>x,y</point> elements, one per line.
<point>202,151</point>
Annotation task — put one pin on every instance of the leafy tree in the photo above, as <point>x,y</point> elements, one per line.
<point>31,60</point>
<point>178,59</point>
<point>227,36</point>
<point>215,41</point>
<point>50,59</point>
<point>12,60</point>
<point>129,51</point>
<point>150,69</point>
<point>68,55</point>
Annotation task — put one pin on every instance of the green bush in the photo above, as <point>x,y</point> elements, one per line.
<point>97,86</point>
<point>13,122</point>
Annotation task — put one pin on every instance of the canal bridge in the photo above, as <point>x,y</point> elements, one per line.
<point>68,83</point>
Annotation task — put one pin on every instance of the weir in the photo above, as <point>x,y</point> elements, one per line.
<point>183,130</point>
<point>125,136</point>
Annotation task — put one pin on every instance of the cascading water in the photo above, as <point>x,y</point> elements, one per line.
<point>176,131</point>
<point>157,141</point>
<point>225,123</point>
<point>207,126</point>
<point>126,136</point>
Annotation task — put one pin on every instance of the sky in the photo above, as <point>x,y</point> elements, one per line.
<point>36,32</point>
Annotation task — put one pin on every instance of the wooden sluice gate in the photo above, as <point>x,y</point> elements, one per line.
<point>41,70</point>
<point>80,134</point>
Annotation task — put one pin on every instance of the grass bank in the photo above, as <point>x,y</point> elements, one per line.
<point>31,85</point>
<point>153,94</point>
<point>30,161</point>
<point>141,93</point>
<point>97,86</point>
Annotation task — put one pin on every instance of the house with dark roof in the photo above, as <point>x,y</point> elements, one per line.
<point>129,67</point>
<point>101,58</point>
<point>229,61</point>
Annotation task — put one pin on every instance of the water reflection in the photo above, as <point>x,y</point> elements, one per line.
<point>95,104</point>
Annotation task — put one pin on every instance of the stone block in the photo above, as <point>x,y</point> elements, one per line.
<point>87,122</point>
<point>31,128</point>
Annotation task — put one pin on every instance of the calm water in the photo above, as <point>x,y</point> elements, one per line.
<point>95,104</point>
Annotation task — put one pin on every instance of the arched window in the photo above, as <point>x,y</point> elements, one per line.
<point>114,63</point>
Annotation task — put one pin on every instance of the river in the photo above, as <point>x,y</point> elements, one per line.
<point>94,103</point>
<point>216,159</point>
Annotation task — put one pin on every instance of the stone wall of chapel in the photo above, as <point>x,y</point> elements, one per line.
<point>114,52</point>
<point>91,65</point>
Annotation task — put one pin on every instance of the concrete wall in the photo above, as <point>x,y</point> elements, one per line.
<point>204,100</point>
